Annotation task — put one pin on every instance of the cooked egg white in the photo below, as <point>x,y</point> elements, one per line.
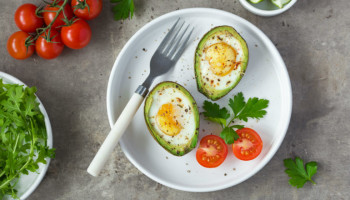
<point>172,117</point>
<point>220,60</point>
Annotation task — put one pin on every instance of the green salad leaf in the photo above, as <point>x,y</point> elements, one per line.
<point>242,110</point>
<point>297,172</point>
<point>23,137</point>
<point>123,9</point>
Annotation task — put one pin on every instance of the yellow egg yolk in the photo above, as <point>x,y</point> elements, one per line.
<point>166,120</point>
<point>221,57</point>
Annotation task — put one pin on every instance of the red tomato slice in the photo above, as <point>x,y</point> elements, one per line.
<point>249,144</point>
<point>212,151</point>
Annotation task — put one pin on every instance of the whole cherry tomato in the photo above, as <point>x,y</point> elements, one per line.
<point>76,35</point>
<point>26,18</point>
<point>49,44</point>
<point>86,9</point>
<point>50,15</point>
<point>18,45</point>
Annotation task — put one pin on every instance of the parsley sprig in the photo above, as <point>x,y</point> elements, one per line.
<point>297,172</point>
<point>23,138</point>
<point>242,110</point>
<point>123,9</point>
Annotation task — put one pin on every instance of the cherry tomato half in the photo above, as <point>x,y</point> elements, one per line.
<point>77,35</point>
<point>49,49</point>
<point>86,9</point>
<point>249,144</point>
<point>49,16</point>
<point>212,151</point>
<point>16,45</point>
<point>26,19</point>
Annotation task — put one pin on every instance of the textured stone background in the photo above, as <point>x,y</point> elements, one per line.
<point>313,38</point>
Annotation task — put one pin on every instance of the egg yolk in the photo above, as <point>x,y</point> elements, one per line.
<point>221,58</point>
<point>166,120</point>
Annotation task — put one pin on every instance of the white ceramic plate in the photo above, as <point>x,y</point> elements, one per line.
<point>28,183</point>
<point>266,77</point>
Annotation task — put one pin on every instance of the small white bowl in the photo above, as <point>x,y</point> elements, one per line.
<point>265,8</point>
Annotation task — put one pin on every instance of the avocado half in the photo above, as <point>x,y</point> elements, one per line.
<point>175,149</point>
<point>207,89</point>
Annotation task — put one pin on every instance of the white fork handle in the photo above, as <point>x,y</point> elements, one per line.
<point>114,135</point>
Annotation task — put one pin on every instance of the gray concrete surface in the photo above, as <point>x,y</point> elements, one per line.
<point>313,38</point>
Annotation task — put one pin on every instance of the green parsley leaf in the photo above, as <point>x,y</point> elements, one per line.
<point>297,173</point>
<point>237,103</point>
<point>229,135</point>
<point>237,126</point>
<point>123,9</point>
<point>214,113</point>
<point>254,108</point>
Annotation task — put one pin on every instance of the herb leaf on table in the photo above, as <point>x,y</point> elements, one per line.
<point>297,172</point>
<point>123,9</point>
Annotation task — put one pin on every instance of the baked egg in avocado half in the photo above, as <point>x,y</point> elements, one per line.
<point>172,117</point>
<point>220,61</point>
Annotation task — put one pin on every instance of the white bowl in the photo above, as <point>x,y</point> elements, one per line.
<point>28,183</point>
<point>266,8</point>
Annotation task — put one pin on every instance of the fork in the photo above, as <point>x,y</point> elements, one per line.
<point>164,58</point>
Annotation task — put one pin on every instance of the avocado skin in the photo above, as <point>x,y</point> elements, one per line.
<point>175,150</point>
<point>217,94</point>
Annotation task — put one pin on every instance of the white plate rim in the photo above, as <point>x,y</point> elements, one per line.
<point>40,177</point>
<point>270,46</point>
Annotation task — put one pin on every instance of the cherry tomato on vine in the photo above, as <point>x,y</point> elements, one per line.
<point>249,144</point>
<point>76,35</point>
<point>26,18</point>
<point>212,151</point>
<point>86,9</point>
<point>50,14</point>
<point>19,46</point>
<point>49,44</point>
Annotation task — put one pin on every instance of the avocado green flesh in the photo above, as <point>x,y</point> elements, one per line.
<point>206,89</point>
<point>177,150</point>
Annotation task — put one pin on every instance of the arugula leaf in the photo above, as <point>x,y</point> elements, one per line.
<point>297,173</point>
<point>23,138</point>
<point>123,9</point>
<point>214,113</point>
<point>242,110</point>
<point>229,135</point>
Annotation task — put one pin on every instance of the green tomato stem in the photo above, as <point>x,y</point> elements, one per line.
<point>58,12</point>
